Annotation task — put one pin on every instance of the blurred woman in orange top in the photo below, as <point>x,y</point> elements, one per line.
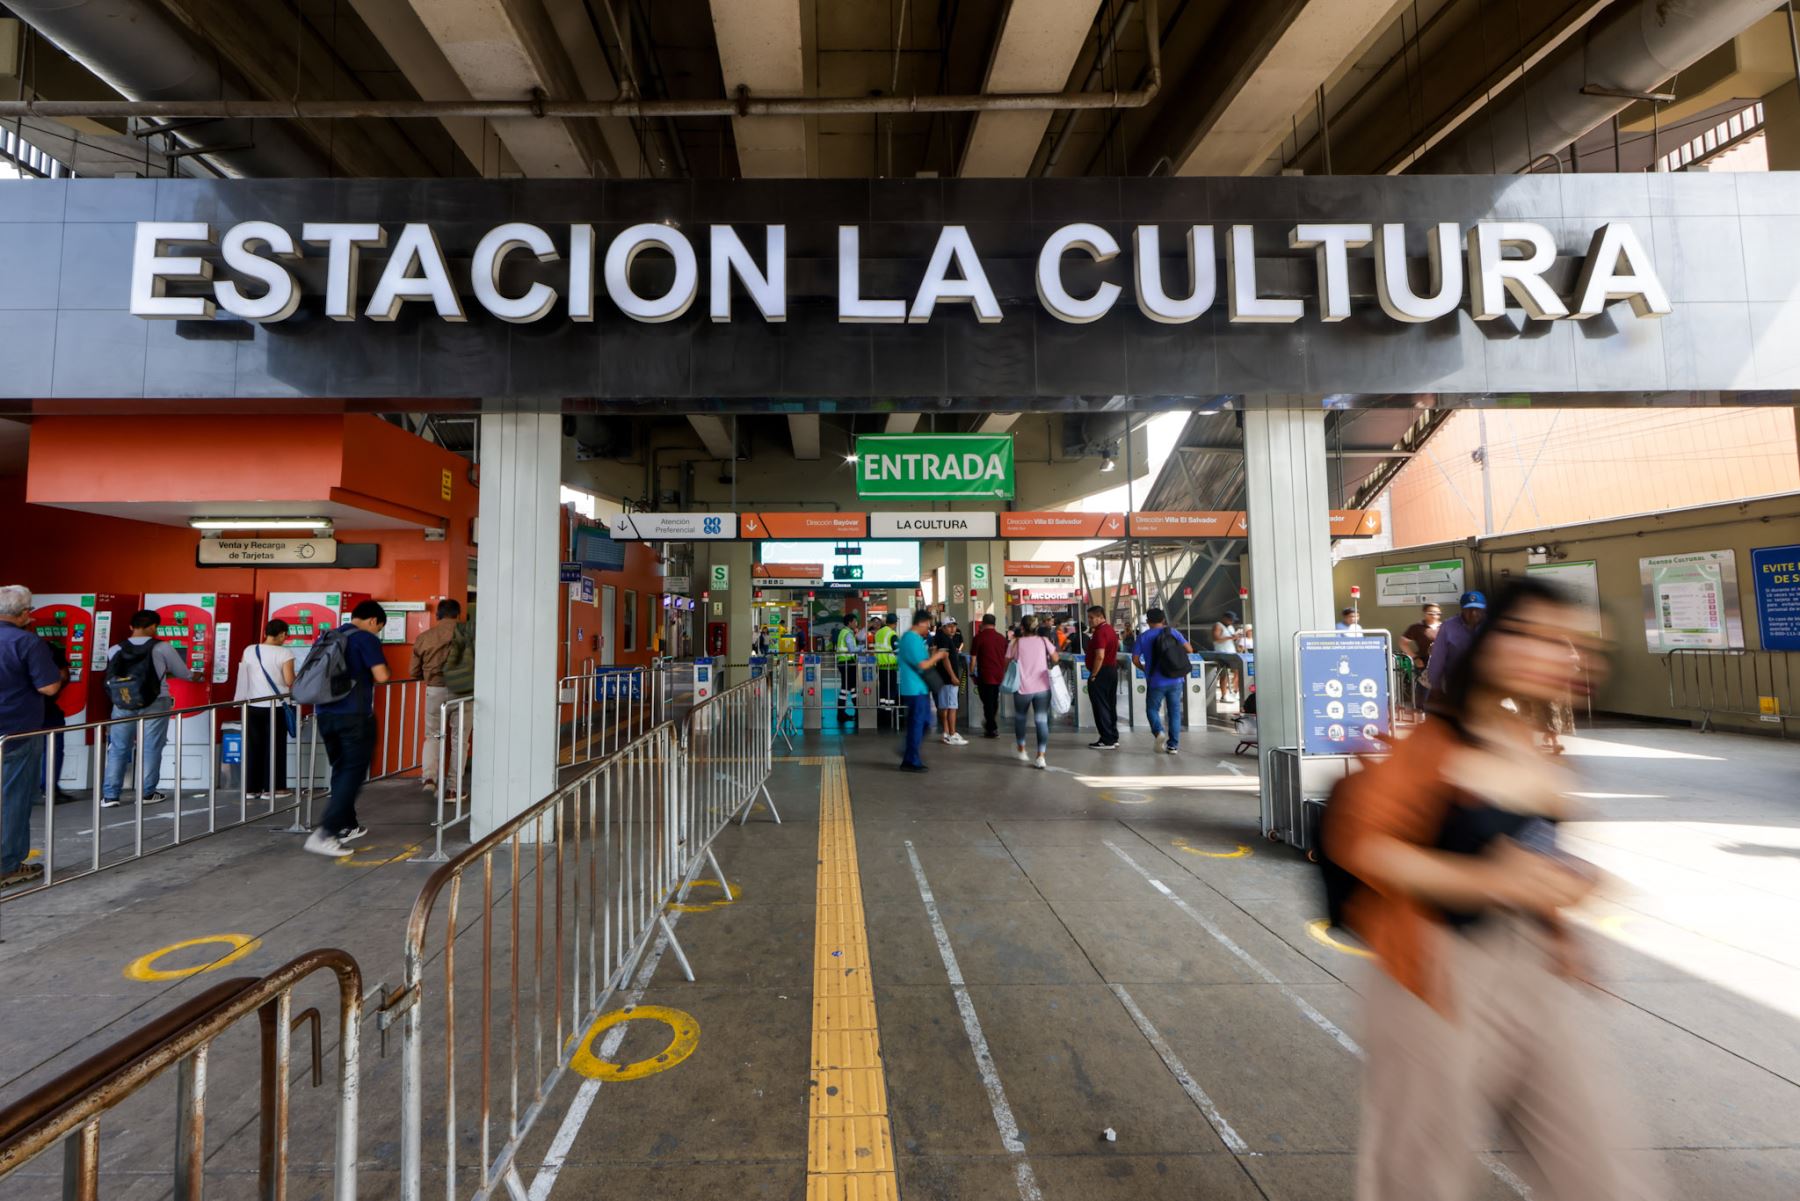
<point>1446,864</point>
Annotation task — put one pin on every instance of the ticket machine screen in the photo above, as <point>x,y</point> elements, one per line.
<point>187,628</point>
<point>71,628</point>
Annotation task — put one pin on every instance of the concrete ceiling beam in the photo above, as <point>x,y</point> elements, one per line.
<point>1036,51</point>
<point>902,423</point>
<point>509,50</point>
<point>766,46</point>
<point>996,423</point>
<point>410,45</point>
<point>715,435</point>
<point>803,433</point>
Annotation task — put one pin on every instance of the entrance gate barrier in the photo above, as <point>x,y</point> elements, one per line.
<point>572,894</point>
<point>600,710</point>
<point>1758,684</point>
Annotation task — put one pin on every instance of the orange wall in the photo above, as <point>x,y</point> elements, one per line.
<point>1557,467</point>
<point>639,576</point>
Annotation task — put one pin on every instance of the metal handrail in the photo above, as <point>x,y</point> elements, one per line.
<point>1732,682</point>
<point>452,784</point>
<point>614,848</point>
<point>396,756</point>
<point>68,1109</point>
<point>602,709</point>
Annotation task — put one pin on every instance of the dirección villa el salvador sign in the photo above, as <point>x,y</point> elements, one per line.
<point>934,465</point>
<point>1505,260</point>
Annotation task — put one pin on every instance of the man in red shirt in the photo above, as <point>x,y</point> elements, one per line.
<point>989,653</point>
<point>1103,678</point>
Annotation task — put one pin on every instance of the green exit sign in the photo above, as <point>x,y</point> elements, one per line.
<point>847,572</point>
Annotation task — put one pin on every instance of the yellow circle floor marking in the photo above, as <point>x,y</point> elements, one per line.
<point>730,896</point>
<point>142,967</point>
<point>1320,931</point>
<point>365,857</point>
<point>686,1033</point>
<point>1242,852</point>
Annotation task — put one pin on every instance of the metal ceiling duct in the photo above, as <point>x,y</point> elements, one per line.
<point>1631,48</point>
<point>139,51</point>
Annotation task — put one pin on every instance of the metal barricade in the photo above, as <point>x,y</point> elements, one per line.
<point>68,1110</point>
<point>602,710</point>
<point>572,893</point>
<point>1734,683</point>
<point>452,763</point>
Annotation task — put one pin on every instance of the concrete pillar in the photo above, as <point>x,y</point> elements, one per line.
<point>516,617</point>
<point>736,598</point>
<point>1290,552</point>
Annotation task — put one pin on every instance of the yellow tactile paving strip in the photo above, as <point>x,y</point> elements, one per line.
<point>850,1150</point>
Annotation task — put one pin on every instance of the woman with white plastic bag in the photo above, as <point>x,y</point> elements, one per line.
<point>1033,654</point>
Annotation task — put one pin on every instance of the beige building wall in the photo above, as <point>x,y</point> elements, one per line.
<point>1557,467</point>
<point>1639,681</point>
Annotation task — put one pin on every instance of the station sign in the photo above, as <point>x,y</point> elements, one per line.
<point>1037,568</point>
<point>1355,523</point>
<point>787,571</point>
<point>267,552</point>
<point>935,465</point>
<point>1062,525</point>
<point>1040,584</point>
<point>823,524</point>
<point>674,527</point>
<point>934,525</point>
<point>680,584</point>
<point>1222,523</point>
<point>721,577</point>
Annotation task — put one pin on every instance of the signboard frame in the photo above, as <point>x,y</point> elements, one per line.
<point>1455,585</point>
<point>1311,647</point>
<point>1719,564</point>
<point>1771,568</point>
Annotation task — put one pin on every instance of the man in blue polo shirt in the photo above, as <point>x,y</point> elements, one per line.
<point>916,656</point>
<point>28,674</point>
<point>347,727</point>
<point>1161,690</point>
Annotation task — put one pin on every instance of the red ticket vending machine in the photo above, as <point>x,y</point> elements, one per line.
<point>308,615</point>
<point>209,630</point>
<point>86,626</point>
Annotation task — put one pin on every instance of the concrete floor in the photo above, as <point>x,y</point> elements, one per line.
<point>1132,954</point>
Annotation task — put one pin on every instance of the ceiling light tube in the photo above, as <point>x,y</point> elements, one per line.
<point>322,524</point>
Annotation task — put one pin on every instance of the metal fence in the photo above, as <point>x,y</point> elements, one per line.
<point>69,1109</point>
<point>1713,683</point>
<point>144,773</point>
<point>451,759</point>
<point>570,895</point>
<point>602,709</point>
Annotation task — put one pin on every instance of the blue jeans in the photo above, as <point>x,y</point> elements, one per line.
<point>1029,706</point>
<point>21,776</point>
<point>1170,695</point>
<point>350,745</point>
<point>918,720</point>
<point>121,745</point>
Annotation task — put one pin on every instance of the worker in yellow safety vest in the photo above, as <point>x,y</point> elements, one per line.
<point>883,636</point>
<point>849,641</point>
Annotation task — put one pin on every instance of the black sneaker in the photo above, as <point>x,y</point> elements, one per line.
<point>1097,745</point>
<point>1174,751</point>
<point>156,798</point>
<point>915,767</point>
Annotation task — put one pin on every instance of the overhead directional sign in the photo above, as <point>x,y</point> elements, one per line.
<point>1038,567</point>
<point>934,465</point>
<point>787,571</point>
<point>674,527</point>
<point>934,525</point>
<point>1062,525</point>
<point>1225,523</point>
<point>1355,523</point>
<point>824,524</point>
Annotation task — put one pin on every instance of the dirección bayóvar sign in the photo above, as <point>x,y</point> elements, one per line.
<point>934,465</point>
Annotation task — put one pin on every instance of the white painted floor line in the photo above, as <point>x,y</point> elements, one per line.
<point>1250,961</point>
<point>1488,1160</point>
<point>1189,1085</point>
<point>984,1059</point>
<point>573,1120</point>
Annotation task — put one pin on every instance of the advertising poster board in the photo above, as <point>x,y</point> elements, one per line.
<point>1691,601</point>
<point>1343,692</point>
<point>1405,585</point>
<point>1776,572</point>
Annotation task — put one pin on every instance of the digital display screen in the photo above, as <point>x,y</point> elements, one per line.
<point>846,564</point>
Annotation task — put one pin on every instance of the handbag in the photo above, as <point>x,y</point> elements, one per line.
<point>934,679</point>
<point>1011,682</point>
<point>1059,692</point>
<point>287,711</point>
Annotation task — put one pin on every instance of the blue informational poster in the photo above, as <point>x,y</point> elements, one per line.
<point>1343,686</point>
<point>1776,574</point>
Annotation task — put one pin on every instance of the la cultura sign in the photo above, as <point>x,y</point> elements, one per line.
<point>934,465</point>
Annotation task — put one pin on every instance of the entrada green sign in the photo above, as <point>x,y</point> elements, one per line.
<point>934,465</point>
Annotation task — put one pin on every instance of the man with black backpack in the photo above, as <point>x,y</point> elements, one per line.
<point>338,680</point>
<point>137,683</point>
<point>1162,655</point>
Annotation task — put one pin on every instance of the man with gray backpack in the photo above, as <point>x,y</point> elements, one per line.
<point>338,680</point>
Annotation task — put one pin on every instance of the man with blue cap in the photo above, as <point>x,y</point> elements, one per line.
<point>1454,638</point>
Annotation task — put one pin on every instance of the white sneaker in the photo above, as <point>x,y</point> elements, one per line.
<point>321,843</point>
<point>1160,740</point>
<point>1040,764</point>
<point>947,740</point>
<point>1024,757</point>
<point>352,834</point>
<point>958,740</point>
